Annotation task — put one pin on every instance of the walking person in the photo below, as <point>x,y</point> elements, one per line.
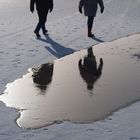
<point>90,9</point>
<point>42,7</point>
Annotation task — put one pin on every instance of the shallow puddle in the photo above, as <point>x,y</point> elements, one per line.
<point>68,90</point>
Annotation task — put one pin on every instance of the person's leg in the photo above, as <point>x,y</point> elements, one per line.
<point>89,25</point>
<point>36,31</point>
<point>39,25</point>
<point>44,21</point>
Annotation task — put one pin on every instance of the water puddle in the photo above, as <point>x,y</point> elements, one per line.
<point>77,88</point>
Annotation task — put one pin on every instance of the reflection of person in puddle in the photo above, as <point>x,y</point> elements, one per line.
<point>88,70</point>
<point>42,75</point>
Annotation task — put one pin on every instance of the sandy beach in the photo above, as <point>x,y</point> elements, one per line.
<point>114,97</point>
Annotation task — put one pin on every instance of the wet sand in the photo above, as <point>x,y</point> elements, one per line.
<point>69,94</point>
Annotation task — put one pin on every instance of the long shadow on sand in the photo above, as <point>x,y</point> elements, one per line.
<point>56,49</point>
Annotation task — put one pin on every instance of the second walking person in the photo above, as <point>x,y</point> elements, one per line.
<point>90,9</point>
<point>42,7</point>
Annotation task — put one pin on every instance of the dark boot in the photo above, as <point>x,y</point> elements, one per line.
<point>90,33</point>
<point>45,32</point>
<point>36,31</point>
<point>37,34</point>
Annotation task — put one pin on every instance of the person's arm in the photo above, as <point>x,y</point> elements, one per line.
<point>99,70</point>
<point>32,2</point>
<point>80,6</point>
<point>50,5</point>
<point>101,4</point>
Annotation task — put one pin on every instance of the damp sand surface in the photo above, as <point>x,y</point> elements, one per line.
<point>68,94</point>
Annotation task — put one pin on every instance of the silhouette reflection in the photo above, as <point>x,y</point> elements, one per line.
<point>42,75</point>
<point>89,70</point>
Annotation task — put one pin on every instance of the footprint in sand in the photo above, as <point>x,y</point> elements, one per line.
<point>33,55</point>
<point>16,61</point>
<point>20,44</point>
<point>108,131</point>
<point>17,54</point>
<point>137,55</point>
<point>32,50</point>
<point>90,129</point>
<point>134,138</point>
<point>65,36</point>
<point>14,48</point>
<point>3,30</point>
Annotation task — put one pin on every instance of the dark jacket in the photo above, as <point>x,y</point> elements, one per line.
<point>41,5</point>
<point>90,6</point>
